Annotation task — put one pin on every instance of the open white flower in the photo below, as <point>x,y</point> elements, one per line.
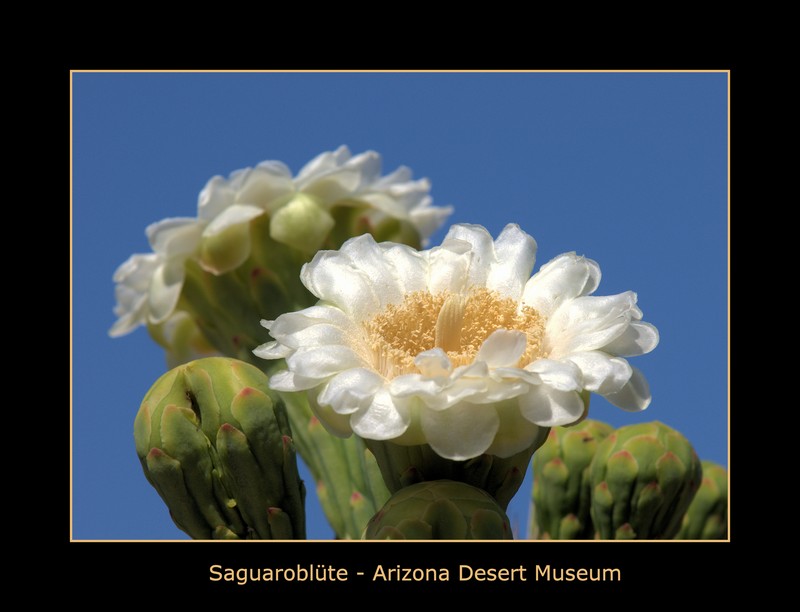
<point>302,213</point>
<point>458,346</point>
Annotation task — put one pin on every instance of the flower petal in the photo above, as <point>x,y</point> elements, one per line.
<point>515,255</point>
<point>448,267</point>
<point>286,380</point>
<point>549,407</point>
<point>639,338</point>
<point>331,277</point>
<point>515,433</point>
<point>433,363</point>
<point>634,396</point>
<point>560,375</point>
<point>482,250</point>
<point>409,267</point>
<point>234,215</point>
<point>272,350</point>
<point>322,163</point>
<point>383,419</point>
<point>215,197</point>
<point>588,323</point>
<point>563,278</point>
<point>322,362</point>
<point>461,432</point>
<point>368,257</point>
<point>351,390</point>
<point>165,290</point>
<point>175,237</point>
<point>601,372</point>
<point>502,348</point>
<point>264,186</point>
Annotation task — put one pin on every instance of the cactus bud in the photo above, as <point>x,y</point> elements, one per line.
<point>643,479</point>
<point>218,449</point>
<point>561,489</point>
<point>707,516</point>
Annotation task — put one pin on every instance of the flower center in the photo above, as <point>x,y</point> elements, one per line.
<point>457,323</point>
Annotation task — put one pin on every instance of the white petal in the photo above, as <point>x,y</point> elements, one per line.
<point>502,348</point>
<point>588,323</point>
<point>175,237</point>
<point>549,407</point>
<point>331,277</point>
<point>368,257</point>
<point>637,339</point>
<point>515,255</point>
<point>427,219</point>
<point>433,363</point>
<point>165,291</point>
<point>563,278</point>
<point>293,322</point>
<point>350,390</point>
<point>368,165</point>
<point>382,420</point>
<point>234,215</point>
<point>322,163</point>
<point>409,267</point>
<point>461,432</point>
<point>448,267</point>
<point>560,375</point>
<point>215,197</point>
<point>265,185</point>
<point>136,271</point>
<point>408,385</point>
<point>440,393</point>
<point>319,335</point>
<point>287,380</point>
<point>601,372</point>
<point>634,396</point>
<point>482,248</point>
<point>515,433</point>
<point>322,362</point>
<point>272,350</point>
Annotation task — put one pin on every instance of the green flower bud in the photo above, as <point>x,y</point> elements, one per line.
<point>707,516</point>
<point>440,510</point>
<point>216,445</point>
<point>643,479</point>
<point>561,489</point>
<point>301,223</point>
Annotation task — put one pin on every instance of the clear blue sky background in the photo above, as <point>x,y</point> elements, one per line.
<point>628,169</point>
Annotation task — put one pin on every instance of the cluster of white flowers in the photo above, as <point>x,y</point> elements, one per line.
<point>148,286</point>
<point>458,346</point>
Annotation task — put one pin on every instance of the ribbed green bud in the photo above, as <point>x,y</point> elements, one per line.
<point>402,466</point>
<point>216,444</point>
<point>561,488</point>
<point>440,510</point>
<point>643,478</point>
<point>707,516</point>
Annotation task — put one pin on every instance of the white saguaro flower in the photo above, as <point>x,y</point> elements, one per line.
<point>333,188</point>
<point>458,346</point>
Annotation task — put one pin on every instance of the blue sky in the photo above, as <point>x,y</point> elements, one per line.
<point>629,169</point>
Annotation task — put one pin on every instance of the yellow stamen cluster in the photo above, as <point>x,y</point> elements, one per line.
<point>458,323</point>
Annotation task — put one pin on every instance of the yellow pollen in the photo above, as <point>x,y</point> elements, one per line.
<point>457,323</point>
